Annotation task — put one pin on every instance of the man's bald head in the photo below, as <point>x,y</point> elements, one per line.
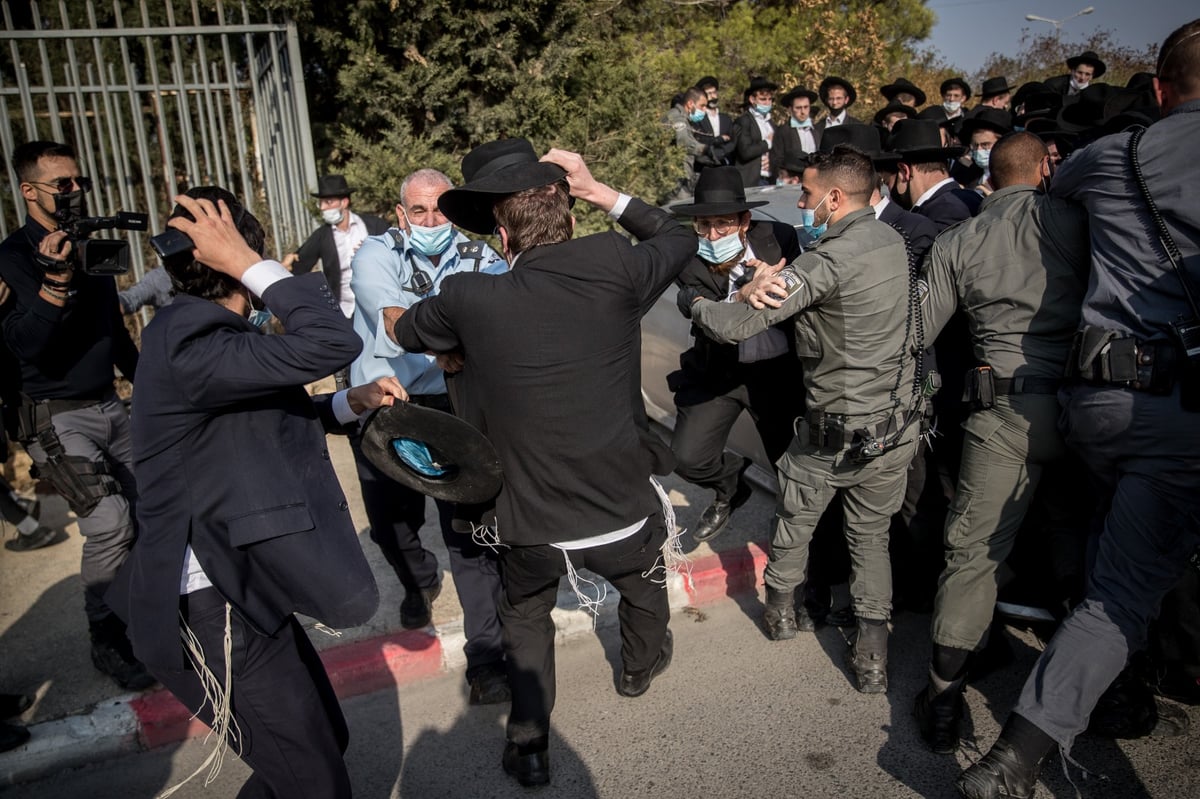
<point>1017,160</point>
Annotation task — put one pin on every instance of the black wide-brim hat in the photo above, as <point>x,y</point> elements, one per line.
<point>469,467</point>
<point>332,186</point>
<point>919,141</point>
<point>1040,105</point>
<point>719,191</point>
<point>986,118</point>
<point>899,85</point>
<point>789,98</point>
<point>493,171</point>
<point>864,138</point>
<point>960,83</point>
<point>759,83</point>
<point>994,86</point>
<point>1088,57</point>
<point>834,80</point>
<point>894,108</point>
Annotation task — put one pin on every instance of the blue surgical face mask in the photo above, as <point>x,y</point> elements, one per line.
<point>721,250</point>
<point>798,124</point>
<point>763,109</point>
<point>808,218</point>
<point>431,241</point>
<point>951,107</point>
<point>981,158</point>
<point>259,318</point>
<point>696,116</point>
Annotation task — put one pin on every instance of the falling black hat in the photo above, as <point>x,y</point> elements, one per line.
<point>920,140</point>
<point>960,83</point>
<point>902,85</point>
<point>832,81</point>
<point>332,186</point>
<point>1088,57</point>
<point>718,191</point>
<point>462,465</point>
<point>491,171</point>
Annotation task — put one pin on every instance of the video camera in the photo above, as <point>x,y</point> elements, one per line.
<point>95,256</point>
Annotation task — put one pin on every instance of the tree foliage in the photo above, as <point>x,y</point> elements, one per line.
<point>1044,55</point>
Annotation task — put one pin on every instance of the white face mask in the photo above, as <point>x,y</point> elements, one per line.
<point>332,216</point>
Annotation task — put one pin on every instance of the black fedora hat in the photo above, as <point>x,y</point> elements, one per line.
<point>994,86</point>
<point>834,80</point>
<point>986,118</point>
<point>900,85</point>
<point>1040,105</point>
<point>718,191</point>
<point>793,163</point>
<point>1088,109</point>
<point>861,137</point>
<point>706,81</point>
<point>1026,90</point>
<point>462,466</point>
<point>1088,57</point>
<point>759,83</point>
<point>961,83</point>
<point>491,171</point>
<point>920,140</point>
<point>332,186</point>
<point>894,108</point>
<point>938,115</point>
<point>789,98</point>
<point>1048,129</point>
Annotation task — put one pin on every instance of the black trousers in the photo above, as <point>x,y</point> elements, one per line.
<point>772,392</point>
<point>293,733</point>
<point>531,576</point>
<point>396,514</point>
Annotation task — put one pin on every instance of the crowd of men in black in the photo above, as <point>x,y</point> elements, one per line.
<point>979,308</point>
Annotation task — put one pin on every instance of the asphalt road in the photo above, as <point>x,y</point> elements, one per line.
<point>736,715</point>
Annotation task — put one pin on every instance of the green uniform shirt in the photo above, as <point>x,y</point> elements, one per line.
<point>1018,270</point>
<point>849,300</point>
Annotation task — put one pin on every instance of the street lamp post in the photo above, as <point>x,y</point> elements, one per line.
<point>1058,23</point>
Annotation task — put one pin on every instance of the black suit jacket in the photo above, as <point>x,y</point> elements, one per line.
<point>709,365</point>
<point>320,246</point>
<point>787,145</point>
<point>918,231</point>
<point>229,455</point>
<point>553,374</point>
<point>948,205</point>
<point>749,146</point>
<point>719,149</point>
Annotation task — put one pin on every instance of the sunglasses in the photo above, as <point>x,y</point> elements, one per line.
<point>63,185</point>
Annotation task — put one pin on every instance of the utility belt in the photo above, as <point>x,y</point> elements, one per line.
<point>1111,358</point>
<point>81,482</point>
<point>837,432</point>
<point>981,387</point>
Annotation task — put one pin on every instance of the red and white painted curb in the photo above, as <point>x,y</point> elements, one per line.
<point>137,722</point>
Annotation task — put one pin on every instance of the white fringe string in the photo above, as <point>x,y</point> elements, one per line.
<point>325,628</point>
<point>1083,775</point>
<point>672,558</point>
<point>577,582</point>
<point>486,536</point>
<point>224,725</point>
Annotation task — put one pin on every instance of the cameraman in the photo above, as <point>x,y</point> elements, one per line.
<point>65,329</point>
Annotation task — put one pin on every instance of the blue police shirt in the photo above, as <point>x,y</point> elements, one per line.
<point>382,277</point>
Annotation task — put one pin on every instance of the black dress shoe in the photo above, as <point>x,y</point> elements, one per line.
<point>12,736</point>
<point>13,705</point>
<point>939,716</point>
<point>529,764</point>
<point>713,520</point>
<point>490,686</point>
<point>43,536</point>
<point>636,683</point>
<point>112,654</point>
<point>416,610</point>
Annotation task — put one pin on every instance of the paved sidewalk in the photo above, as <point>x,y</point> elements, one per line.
<point>81,717</point>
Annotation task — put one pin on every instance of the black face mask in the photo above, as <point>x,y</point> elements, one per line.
<point>712,105</point>
<point>70,205</point>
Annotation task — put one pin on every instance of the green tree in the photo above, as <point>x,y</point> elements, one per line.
<point>1044,55</point>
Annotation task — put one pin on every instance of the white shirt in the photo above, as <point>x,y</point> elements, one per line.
<point>808,142</point>
<point>833,120</point>
<point>347,243</point>
<point>878,207</point>
<point>932,192</point>
<point>768,134</point>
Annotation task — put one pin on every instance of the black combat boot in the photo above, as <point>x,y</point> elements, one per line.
<point>780,614</point>
<point>868,656</point>
<point>1011,768</point>
<point>939,712</point>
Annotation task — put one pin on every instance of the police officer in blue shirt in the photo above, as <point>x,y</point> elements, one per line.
<point>391,272</point>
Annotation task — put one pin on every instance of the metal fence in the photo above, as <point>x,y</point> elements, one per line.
<point>155,101</point>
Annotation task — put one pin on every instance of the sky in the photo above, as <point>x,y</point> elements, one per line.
<point>967,31</point>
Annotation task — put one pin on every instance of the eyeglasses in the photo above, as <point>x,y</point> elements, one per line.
<point>63,185</point>
<point>722,227</point>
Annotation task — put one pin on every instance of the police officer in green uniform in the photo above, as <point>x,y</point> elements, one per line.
<point>853,336</point>
<point>1018,270</point>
